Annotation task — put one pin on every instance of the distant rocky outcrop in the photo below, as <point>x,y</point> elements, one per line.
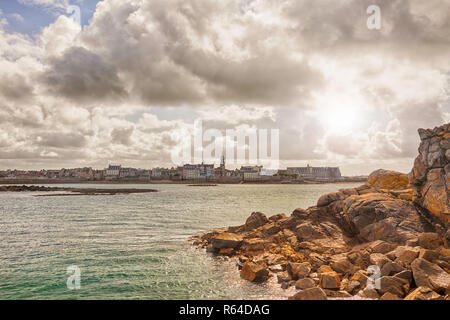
<point>430,176</point>
<point>71,191</point>
<point>333,249</point>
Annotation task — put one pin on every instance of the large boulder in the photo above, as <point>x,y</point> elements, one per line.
<point>430,176</point>
<point>387,179</point>
<point>255,220</point>
<point>226,240</point>
<point>328,198</point>
<point>253,272</point>
<point>380,216</point>
<point>430,275</point>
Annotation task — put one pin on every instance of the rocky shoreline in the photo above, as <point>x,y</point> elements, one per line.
<point>72,191</point>
<point>387,239</point>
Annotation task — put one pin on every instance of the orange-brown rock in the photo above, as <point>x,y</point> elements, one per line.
<point>226,240</point>
<point>379,216</point>
<point>369,293</point>
<point>255,220</point>
<point>394,285</point>
<point>430,240</point>
<point>252,245</point>
<point>226,252</point>
<point>324,269</point>
<point>305,283</point>
<point>380,246</point>
<point>337,294</point>
<point>407,255</point>
<point>253,272</point>
<point>391,268</point>
<point>343,266</point>
<point>423,293</point>
<point>430,176</point>
<point>390,296</point>
<point>430,275</point>
<point>298,270</point>
<point>386,179</point>
<point>378,259</point>
<point>310,294</point>
<point>329,280</point>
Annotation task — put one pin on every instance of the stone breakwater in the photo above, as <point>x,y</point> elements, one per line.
<point>382,240</point>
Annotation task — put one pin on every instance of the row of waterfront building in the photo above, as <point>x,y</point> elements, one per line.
<point>187,172</point>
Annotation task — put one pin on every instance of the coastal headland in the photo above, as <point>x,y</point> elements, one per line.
<point>388,239</point>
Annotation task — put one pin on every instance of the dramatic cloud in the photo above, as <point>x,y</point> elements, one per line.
<point>128,86</point>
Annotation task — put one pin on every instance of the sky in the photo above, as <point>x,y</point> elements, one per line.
<point>126,85</point>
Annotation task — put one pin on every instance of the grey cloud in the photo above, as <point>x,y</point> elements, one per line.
<point>15,87</point>
<point>169,66</point>
<point>22,114</point>
<point>427,114</point>
<point>122,135</point>
<point>348,145</point>
<point>82,75</point>
<point>409,29</point>
<point>268,78</point>
<point>62,140</point>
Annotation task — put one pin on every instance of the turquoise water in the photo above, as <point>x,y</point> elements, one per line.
<point>134,246</point>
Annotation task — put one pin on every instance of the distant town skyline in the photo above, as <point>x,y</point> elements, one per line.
<point>126,85</point>
<point>148,168</point>
<point>188,172</point>
<point>126,165</point>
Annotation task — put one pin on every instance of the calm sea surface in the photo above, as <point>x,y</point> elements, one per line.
<point>134,246</point>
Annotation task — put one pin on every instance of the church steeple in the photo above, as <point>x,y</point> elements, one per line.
<point>222,166</point>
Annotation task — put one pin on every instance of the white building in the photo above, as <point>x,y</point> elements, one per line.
<point>128,172</point>
<point>316,173</point>
<point>113,171</point>
<point>156,173</point>
<point>251,173</point>
<point>198,171</point>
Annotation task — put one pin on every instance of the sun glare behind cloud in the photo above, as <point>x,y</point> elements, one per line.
<point>341,112</point>
<point>341,119</point>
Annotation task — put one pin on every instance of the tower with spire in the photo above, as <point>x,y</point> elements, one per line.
<point>222,167</point>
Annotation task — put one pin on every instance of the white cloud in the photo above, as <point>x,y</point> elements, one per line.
<point>50,4</point>
<point>16,16</point>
